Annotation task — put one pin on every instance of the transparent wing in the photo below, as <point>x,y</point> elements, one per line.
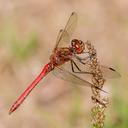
<point>62,38</point>
<point>71,24</point>
<point>65,34</point>
<point>68,76</point>
<point>58,37</point>
<point>108,72</point>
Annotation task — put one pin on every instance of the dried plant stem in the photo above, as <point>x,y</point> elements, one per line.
<point>98,110</point>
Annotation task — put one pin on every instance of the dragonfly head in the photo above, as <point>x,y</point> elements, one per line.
<point>78,46</point>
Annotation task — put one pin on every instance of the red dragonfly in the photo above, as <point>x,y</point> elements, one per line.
<point>62,54</point>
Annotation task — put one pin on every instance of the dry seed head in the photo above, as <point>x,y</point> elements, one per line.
<point>98,115</point>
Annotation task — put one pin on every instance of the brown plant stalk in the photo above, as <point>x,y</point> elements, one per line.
<point>100,103</point>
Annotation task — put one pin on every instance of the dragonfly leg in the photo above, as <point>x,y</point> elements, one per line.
<point>79,70</point>
<point>72,62</point>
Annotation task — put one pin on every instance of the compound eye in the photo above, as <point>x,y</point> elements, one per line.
<point>74,42</point>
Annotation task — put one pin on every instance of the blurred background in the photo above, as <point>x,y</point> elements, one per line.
<point>28,31</point>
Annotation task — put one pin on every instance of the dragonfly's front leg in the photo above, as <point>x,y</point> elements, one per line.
<point>72,62</point>
<point>79,70</point>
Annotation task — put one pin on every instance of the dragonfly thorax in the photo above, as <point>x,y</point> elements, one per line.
<point>78,46</point>
<point>60,56</point>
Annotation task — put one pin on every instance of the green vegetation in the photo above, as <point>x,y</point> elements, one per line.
<point>22,49</point>
<point>19,47</point>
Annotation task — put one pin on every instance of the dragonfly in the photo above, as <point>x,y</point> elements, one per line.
<point>63,54</point>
